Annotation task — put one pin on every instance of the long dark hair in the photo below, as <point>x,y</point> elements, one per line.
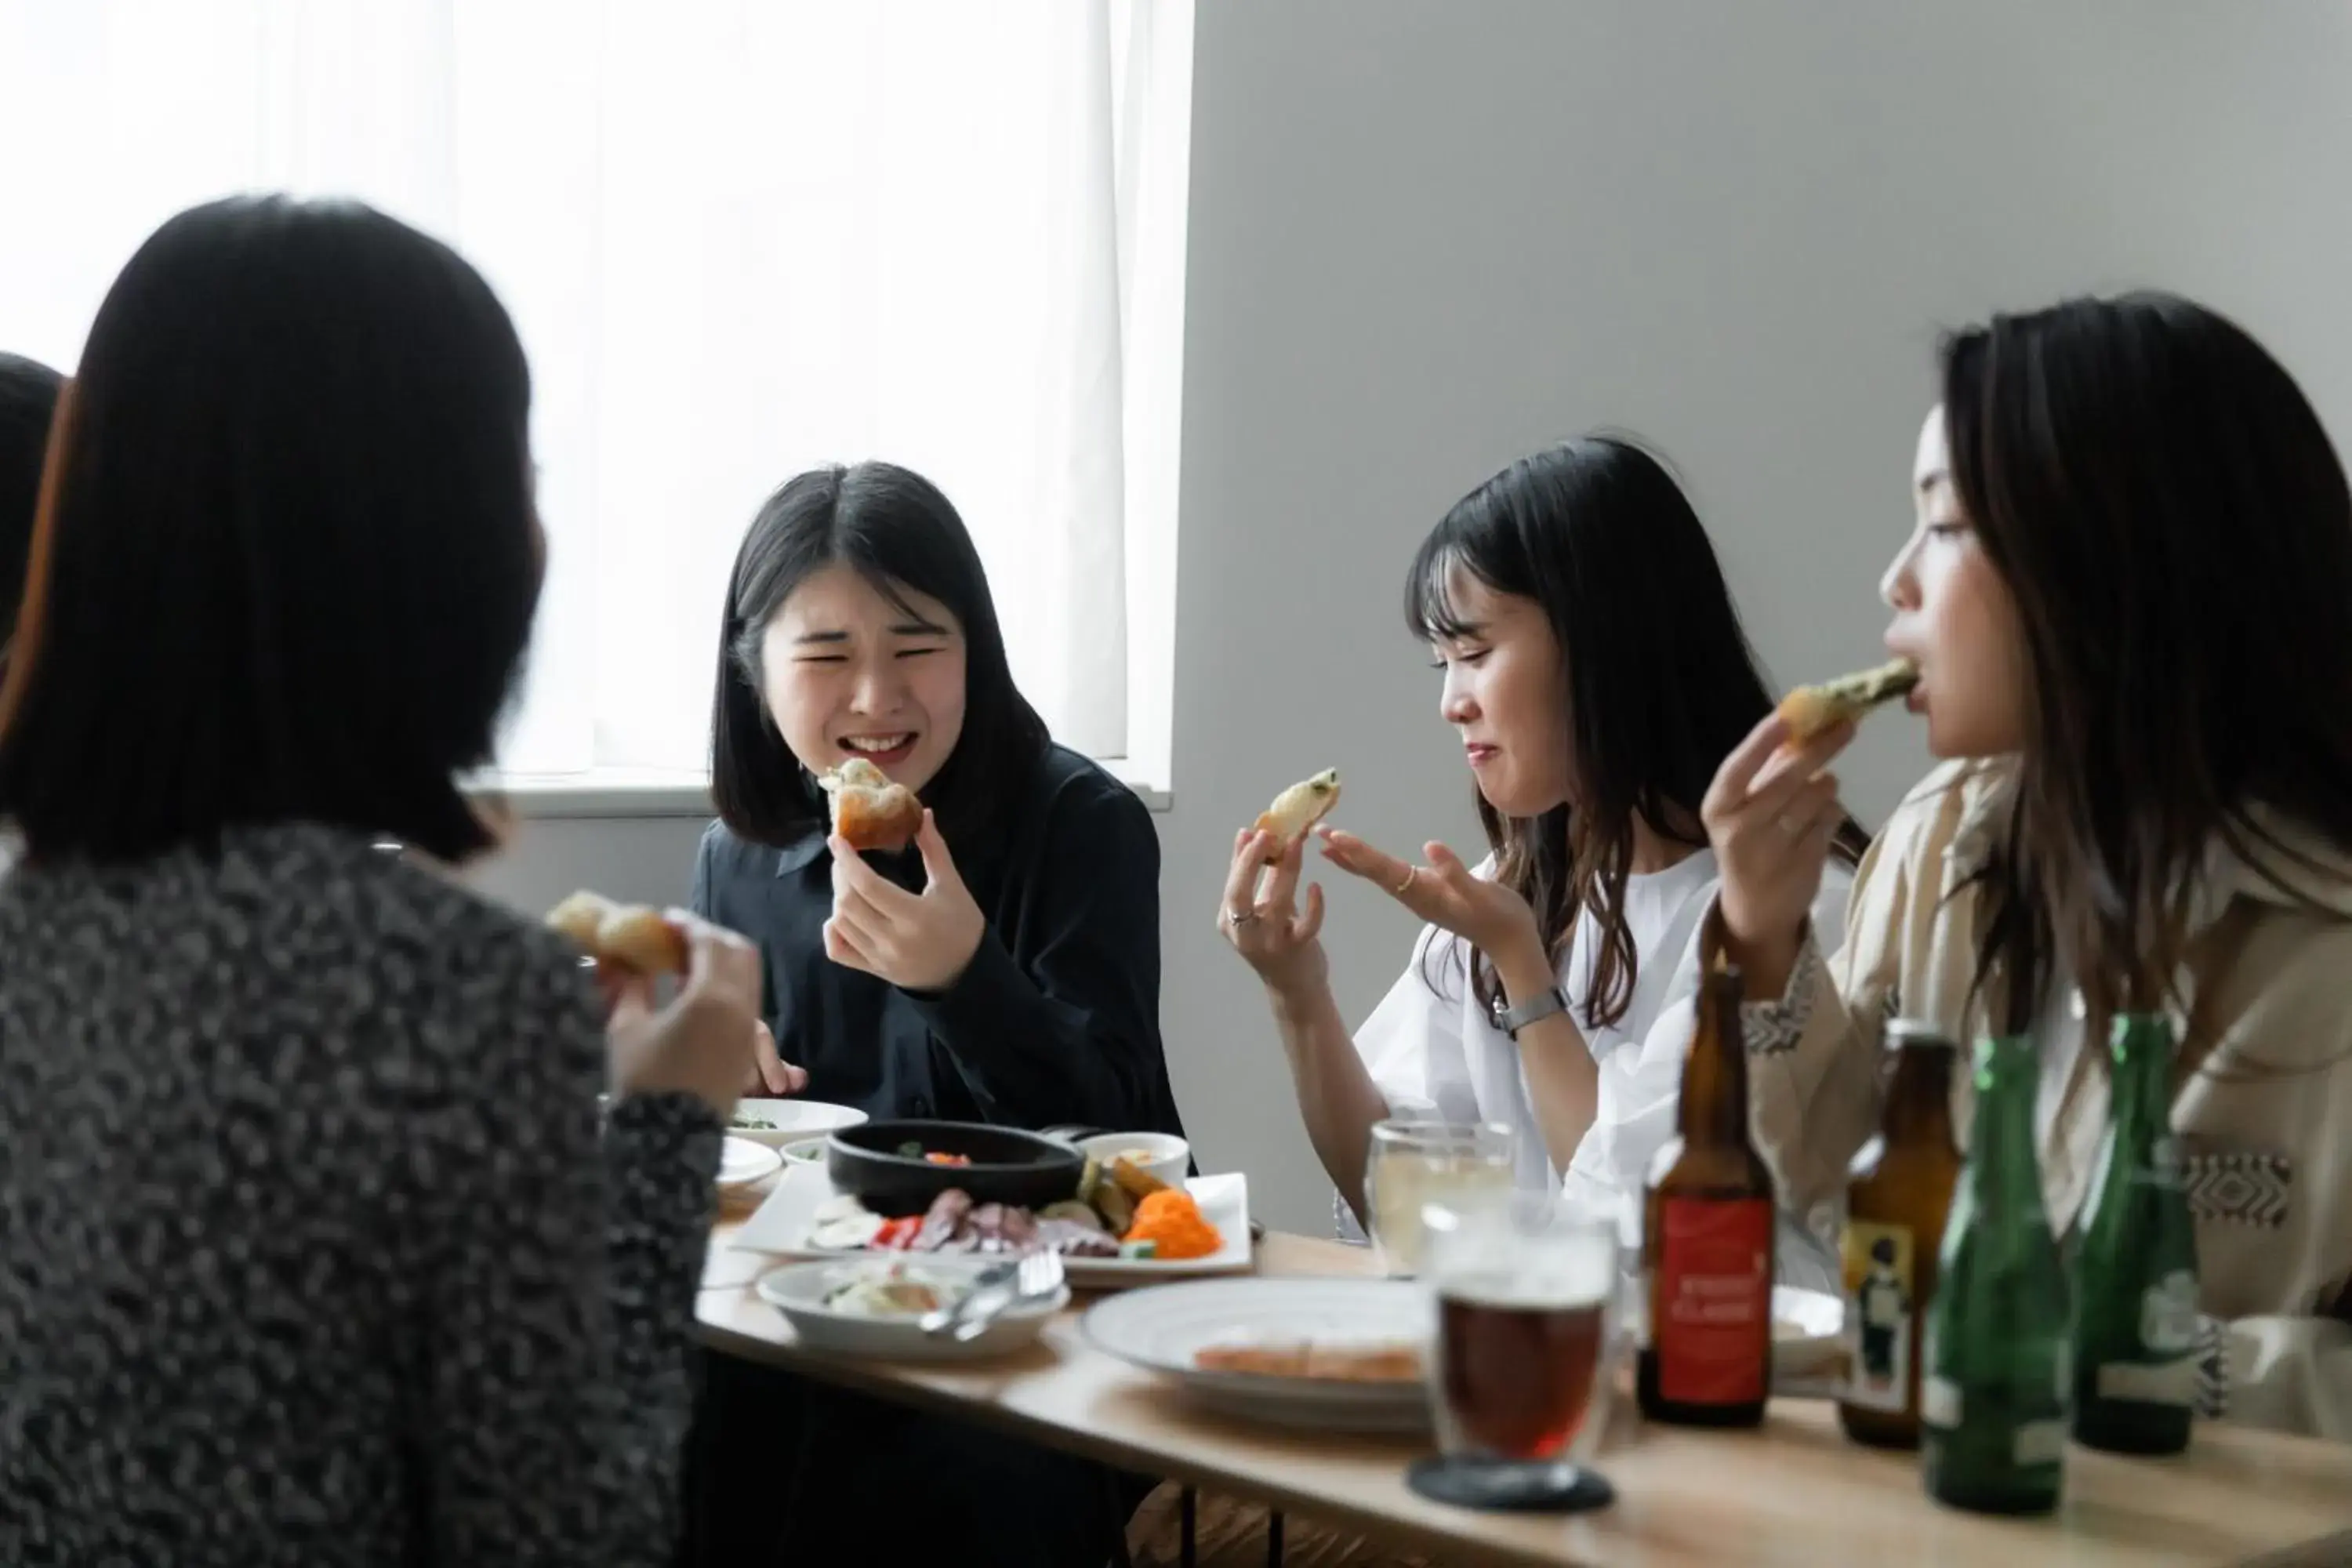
<point>1661,683</point>
<point>286,559</point>
<point>2176,531</point>
<point>28,399</point>
<point>894,528</point>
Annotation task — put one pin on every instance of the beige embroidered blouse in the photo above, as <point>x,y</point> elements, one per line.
<point>2264,1119</point>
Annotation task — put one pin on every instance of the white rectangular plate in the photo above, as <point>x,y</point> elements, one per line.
<point>783,1224</point>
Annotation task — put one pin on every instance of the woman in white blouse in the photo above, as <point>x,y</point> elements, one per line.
<point>1596,673</point>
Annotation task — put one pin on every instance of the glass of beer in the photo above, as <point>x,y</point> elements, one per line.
<point>1414,1162</point>
<point>1527,1293</point>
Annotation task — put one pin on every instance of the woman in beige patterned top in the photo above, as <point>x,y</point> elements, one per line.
<point>2127,593</point>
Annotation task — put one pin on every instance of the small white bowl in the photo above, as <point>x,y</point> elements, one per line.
<point>1163,1155</point>
<point>742,1163</point>
<point>805,1151</point>
<point>798,1291</point>
<point>790,1121</point>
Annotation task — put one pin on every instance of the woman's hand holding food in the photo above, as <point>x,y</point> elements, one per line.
<point>695,1044</point>
<point>1771,814</point>
<point>1265,925</point>
<point>916,942</point>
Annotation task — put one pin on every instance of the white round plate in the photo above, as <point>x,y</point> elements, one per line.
<point>742,1161</point>
<point>798,1291</point>
<point>1808,1331</point>
<point>790,1120</point>
<point>1159,1330</point>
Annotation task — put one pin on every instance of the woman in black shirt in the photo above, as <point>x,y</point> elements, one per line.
<point>1018,981</point>
<point>1004,968</point>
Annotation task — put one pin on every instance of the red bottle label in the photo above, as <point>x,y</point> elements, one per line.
<point>1714,1296</point>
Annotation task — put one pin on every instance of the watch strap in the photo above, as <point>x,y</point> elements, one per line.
<point>1540,1005</point>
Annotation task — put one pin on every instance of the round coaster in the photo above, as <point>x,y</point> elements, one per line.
<point>1532,1486</point>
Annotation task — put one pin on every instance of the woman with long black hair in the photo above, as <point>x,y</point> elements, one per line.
<point>2126,589</point>
<point>1003,968</point>
<point>1593,668</point>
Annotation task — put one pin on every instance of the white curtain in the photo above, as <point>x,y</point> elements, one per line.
<point>740,237</point>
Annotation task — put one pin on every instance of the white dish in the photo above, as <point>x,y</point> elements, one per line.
<point>1165,1155</point>
<point>798,1291</point>
<point>793,1119</point>
<point>806,1151</point>
<point>1161,1330</point>
<point>783,1224</point>
<point>1808,1331</point>
<point>742,1161</point>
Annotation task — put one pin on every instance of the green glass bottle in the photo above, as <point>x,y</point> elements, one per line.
<point>1994,1392</point>
<point>2136,1273</point>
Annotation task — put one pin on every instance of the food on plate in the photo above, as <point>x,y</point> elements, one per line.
<point>1113,1190</point>
<point>1393,1361</point>
<point>752,1123</point>
<point>631,935</point>
<point>844,1225</point>
<point>869,811</point>
<point>1135,1181</point>
<point>901,1289</point>
<point>1076,1212</point>
<point>1810,709</point>
<point>1173,1225</point>
<point>1298,808</point>
<point>1108,1199</point>
<point>896,1235</point>
<point>1108,1222</point>
<point>955,1224</point>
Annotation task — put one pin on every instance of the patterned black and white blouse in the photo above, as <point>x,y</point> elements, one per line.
<point>310,1249</point>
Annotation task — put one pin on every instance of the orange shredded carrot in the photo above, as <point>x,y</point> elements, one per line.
<point>1172,1223</point>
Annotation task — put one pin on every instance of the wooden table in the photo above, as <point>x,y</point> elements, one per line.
<point>1794,1495</point>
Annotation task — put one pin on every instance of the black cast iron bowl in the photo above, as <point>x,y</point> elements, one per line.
<point>1008,1165</point>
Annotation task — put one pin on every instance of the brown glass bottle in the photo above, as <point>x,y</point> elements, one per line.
<point>1897,1202</point>
<point>1706,1240</point>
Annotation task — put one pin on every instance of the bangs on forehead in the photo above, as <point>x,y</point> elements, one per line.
<point>895,594</point>
<point>1433,607</point>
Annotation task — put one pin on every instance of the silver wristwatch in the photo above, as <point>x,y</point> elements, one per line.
<point>1542,1005</point>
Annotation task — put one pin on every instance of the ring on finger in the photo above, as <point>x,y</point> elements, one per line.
<point>1788,825</point>
<point>1239,917</point>
<point>1412,875</point>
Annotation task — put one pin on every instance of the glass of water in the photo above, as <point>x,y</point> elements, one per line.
<point>1414,1162</point>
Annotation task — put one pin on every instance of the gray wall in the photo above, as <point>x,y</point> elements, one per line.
<point>1426,236</point>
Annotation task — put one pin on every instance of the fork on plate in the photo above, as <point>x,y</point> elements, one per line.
<point>1033,1278</point>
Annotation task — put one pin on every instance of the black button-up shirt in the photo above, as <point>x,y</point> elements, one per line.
<point>1056,1019</point>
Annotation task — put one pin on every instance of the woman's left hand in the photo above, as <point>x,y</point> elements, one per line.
<point>916,942</point>
<point>1445,893</point>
